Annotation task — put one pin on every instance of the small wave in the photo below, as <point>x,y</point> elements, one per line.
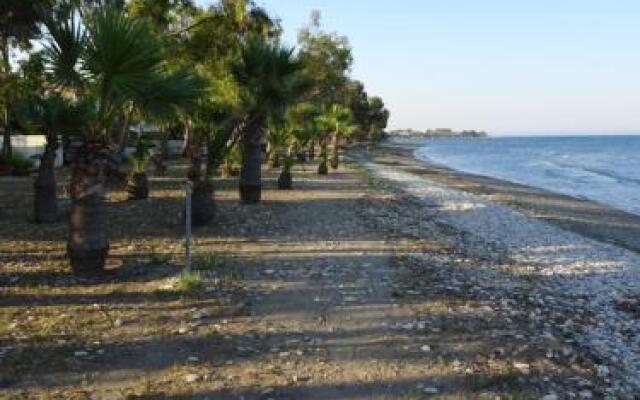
<point>613,175</point>
<point>598,168</point>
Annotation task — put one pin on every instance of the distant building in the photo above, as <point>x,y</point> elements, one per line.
<point>439,132</point>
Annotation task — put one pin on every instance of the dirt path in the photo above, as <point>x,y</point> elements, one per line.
<point>359,293</point>
<point>352,291</point>
<point>321,281</point>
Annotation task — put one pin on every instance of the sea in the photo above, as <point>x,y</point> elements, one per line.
<point>601,168</point>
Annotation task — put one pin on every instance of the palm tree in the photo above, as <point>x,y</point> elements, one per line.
<point>138,185</point>
<point>270,79</point>
<point>323,168</point>
<point>339,121</point>
<point>109,59</point>
<point>277,139</point>
<point>53,116</point>
<point>285,180</point>
<point>162,100</point>
<point>213,125</point>
<point>302,119</point>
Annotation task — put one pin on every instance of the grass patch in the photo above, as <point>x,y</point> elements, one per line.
<point>4,327</point>
<point>190,282</point>
<point>219,270</point>
<point>210,262</point>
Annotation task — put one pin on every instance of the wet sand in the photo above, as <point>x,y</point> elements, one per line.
<point>585,217</point>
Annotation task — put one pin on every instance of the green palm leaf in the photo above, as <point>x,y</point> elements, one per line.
<point>164,95</point>
<point>122,53</point>
<point>270,77</point>
<point>64,49</point>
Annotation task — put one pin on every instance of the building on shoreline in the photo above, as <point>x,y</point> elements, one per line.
<point>439,132</point>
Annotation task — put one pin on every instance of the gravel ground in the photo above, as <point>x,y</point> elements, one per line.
<point>594,285</point>
<point>343,288</point>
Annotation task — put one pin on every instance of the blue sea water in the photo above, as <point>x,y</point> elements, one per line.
<point>601,168</point>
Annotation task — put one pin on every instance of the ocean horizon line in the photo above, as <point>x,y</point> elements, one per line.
<point>560,134</point>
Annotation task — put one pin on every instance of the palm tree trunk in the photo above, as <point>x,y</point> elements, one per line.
<point>88,243</point>
<point>202,203</point>
<point>6,136</point>
<point>45,189</point>
<point>138,187</point>
<point>195,169</point>
<point>322,167</point>
<point>285,180</point>
<point>159,159</point>
<point>312,150</point>
<point>123,140</point>
<point>66,144</point>
<point>251,173</point>
<point>186,142</point>
<point>274,158</point>
<point>6,70</point>
<point>335,148</point>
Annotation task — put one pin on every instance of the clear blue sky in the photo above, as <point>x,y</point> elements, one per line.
<point>506,66</point>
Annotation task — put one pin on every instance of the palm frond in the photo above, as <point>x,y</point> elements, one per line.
<point>122,53</point>
<point>270,76</point>
<point>64,49</point>
<point>165,94</point>
<point>52,115</point>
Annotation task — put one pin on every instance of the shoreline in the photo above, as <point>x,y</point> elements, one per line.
<point>585,217</point>
<point>583,277</point>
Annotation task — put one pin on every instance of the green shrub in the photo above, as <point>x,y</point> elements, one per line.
<point>18,161</point>
<point>137,165</point>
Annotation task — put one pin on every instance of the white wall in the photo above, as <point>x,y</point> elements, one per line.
<point>175,147</point>
<point>32,145</point>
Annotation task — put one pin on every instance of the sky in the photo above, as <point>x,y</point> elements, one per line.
<point>504,66</point>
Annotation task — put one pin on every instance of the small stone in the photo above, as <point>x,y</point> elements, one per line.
<point>183,330</point>
<point>430,390</point>
<point>118,323</point>
<point>191,378</point>
<point>522,367</point>
<point>193,359</point>
<point>550,396</point>
<point>425,348</point>
<point>602,371</point>
<point>199,315</point>
<point>80,354</point>
<point>585,394</point>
